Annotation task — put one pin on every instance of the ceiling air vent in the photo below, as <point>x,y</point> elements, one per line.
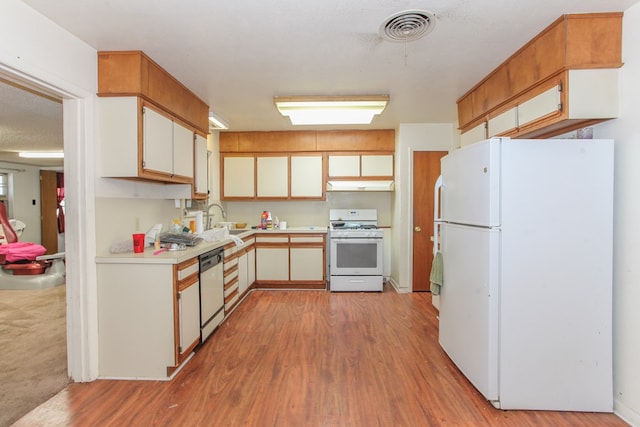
<point>408,25</point>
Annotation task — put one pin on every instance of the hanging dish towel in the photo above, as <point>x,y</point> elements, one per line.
<point>436,274</point>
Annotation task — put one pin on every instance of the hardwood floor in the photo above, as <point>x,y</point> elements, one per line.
<point>306,358</point>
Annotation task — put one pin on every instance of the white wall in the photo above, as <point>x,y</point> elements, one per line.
<point>38,52</point>
<point>305,213</point>
<point>626,281</point>
<point>410,138</point>
<point>119,218</point>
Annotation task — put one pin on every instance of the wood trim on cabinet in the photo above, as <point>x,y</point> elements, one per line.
<point>276,142</point>
<point>125,73</point>
<point>307,141</point>
<point>356,140</point>
<point>360,177</point>
<point>574,41</point>
<point>150,173</point>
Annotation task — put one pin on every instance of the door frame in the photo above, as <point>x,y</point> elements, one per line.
<point>81,281</point>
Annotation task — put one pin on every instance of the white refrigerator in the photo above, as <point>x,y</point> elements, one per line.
<point>526,243</point>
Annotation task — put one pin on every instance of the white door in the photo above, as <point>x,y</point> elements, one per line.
<point>469,302</point>
<point>471,184</point>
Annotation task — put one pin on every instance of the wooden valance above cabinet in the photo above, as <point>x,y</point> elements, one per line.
<point>307,141</point>
<point>591,41</point>
<point>132,73</point>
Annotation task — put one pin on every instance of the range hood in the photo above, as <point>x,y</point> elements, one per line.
<point>360,185</point>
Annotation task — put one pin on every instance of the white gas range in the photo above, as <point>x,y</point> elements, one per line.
<point>355,250</point>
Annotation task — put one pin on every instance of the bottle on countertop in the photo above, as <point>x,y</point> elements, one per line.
<point>263,220</point>
<point>269,221</point>
<point>276,223</point>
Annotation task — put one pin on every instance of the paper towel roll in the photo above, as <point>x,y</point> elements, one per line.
<point>199,222</point>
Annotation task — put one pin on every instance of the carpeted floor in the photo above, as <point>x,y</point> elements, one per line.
<point>33,349</point>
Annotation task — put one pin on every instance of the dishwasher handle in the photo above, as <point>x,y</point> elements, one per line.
<point>211,259</point>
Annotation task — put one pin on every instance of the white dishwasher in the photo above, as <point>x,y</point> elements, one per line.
<point>211,291</point>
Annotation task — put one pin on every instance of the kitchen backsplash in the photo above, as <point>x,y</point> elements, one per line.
<point>118,218</point>
<point>302,213</point>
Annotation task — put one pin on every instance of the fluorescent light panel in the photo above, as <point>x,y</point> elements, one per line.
<point>331,110</point>
<point>41,155</point>
<point>217,122</point>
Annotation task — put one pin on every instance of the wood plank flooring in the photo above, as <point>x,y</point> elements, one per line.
<point>306,358</point>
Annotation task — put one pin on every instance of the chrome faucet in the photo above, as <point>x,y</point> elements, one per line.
<point>208,215</point>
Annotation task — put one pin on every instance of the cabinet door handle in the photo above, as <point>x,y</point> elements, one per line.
<point>417,228</point>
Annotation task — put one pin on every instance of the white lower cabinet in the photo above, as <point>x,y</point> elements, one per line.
<point>307,264</point>
<point>272,263</point>
<point>251,265</point>
<point>148,322</point>
<point>243,278</point>
<point>290,260</point>
<point>189,316</point>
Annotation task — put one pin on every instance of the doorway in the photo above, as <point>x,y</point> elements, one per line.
<point>49,206</point>
<point>426,169</point>
<point>34,357</point>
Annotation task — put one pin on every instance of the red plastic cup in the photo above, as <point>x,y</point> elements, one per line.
<point>138,243</point>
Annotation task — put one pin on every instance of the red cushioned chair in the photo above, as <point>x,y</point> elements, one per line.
<point>20,258</point>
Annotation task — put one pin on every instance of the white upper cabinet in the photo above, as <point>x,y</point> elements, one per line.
<point>377,165</point>
<point>548,102</point>
<point>183,148</point>
<point>477,133</point>
<point>166,146</point>
<point>306,176</point>
<point>361,166</point>
<point>273,176</point>
<point>503,122</point>
<point>291,176</point>
<point>238,177</point>
<point>157,136</point>
<point>201,163</point>
<point>344,166</point>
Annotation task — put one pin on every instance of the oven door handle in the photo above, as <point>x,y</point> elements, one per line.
<point>356,240</point>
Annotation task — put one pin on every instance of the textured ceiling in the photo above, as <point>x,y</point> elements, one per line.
<point>28,122</point>
<point>238,55</point>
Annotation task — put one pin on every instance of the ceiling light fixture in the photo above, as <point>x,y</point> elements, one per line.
<point>331,110</point>
<point>216,122</point>
<point>41,155</point>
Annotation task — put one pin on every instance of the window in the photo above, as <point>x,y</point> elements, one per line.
<point>4,186</point>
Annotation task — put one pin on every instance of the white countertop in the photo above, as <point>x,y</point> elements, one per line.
<point>176,257</point>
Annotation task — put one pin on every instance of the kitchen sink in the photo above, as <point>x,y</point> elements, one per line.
<point>237,231</point>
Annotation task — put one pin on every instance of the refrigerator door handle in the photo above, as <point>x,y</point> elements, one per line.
<point>437,190</point>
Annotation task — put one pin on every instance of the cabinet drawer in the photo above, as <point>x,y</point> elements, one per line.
<point>228,265</point>
<point>188,268</point>
<point>229,305</point>
<point>231,288</point>
<point>307,239</point>
<point>228,278</point>
<point>272,239</point>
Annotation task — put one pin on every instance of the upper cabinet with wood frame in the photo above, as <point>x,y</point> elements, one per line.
<point>563,79</point>
<point>148,120</point>
<point>260,165</point>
